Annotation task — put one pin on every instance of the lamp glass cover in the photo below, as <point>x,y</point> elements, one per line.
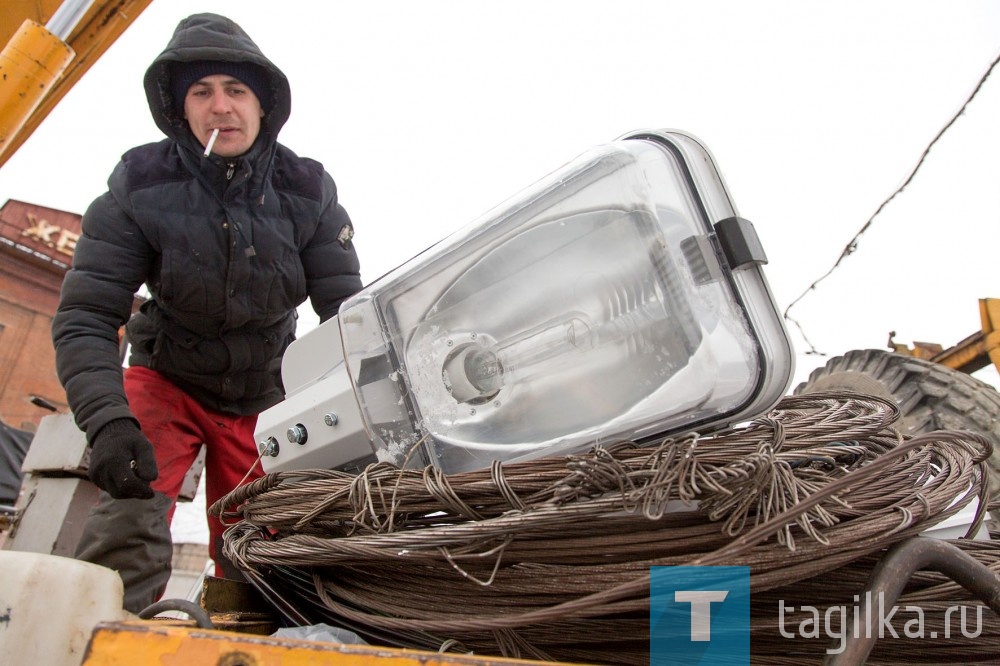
<point>594,306</point>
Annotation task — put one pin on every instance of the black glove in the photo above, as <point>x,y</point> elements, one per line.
<point>121,461</point>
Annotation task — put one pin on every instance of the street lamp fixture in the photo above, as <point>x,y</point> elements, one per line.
<point>621,297</point>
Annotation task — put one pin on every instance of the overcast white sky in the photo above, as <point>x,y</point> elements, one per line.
<point>429,113</point>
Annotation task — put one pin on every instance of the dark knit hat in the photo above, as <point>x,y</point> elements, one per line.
<point>184,74</point>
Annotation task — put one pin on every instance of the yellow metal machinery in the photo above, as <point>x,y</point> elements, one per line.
<point>159,643</point>
<point>38,67</point>
<point>971,354</point>
<point>32,62</point>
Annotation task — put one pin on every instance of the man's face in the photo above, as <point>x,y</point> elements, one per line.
<point>221,102</point>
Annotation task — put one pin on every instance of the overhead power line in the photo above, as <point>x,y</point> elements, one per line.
<point>853,244</point>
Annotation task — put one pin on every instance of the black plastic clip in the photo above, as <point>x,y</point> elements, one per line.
<point>740,243</point>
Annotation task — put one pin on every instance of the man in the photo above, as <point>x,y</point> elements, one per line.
<point>230,231</point>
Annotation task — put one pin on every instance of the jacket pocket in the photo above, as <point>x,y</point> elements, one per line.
<point>183,353</point>
<point>281,286</point>
<point>184,280</point>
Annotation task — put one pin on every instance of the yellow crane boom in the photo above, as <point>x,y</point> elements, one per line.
<point>971,354</point>
<point>38,67</point>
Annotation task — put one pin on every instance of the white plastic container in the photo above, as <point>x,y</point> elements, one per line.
<point>49,606</point>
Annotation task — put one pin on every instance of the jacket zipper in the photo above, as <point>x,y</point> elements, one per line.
<point>231,170</point>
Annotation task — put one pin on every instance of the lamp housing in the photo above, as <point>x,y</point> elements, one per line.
<point>620,297</point>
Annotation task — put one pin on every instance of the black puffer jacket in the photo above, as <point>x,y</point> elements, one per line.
<point>220,315</point>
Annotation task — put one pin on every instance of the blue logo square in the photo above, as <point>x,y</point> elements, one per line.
<point>699,615</point>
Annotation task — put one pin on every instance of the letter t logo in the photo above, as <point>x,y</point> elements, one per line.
<point>701,610</point>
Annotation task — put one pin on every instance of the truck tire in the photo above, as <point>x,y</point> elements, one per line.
<point>930,396</point>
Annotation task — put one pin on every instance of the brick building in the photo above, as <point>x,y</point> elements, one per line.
<point>36,250</point>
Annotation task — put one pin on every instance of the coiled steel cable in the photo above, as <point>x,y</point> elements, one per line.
<point>550,558</point>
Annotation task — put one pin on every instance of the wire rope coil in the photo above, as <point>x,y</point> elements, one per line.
<point>550,558</point>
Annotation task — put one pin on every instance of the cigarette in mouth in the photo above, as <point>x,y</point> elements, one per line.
<point>211,141</point>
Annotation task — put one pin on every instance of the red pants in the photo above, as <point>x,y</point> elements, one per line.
<point>177,426</point>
